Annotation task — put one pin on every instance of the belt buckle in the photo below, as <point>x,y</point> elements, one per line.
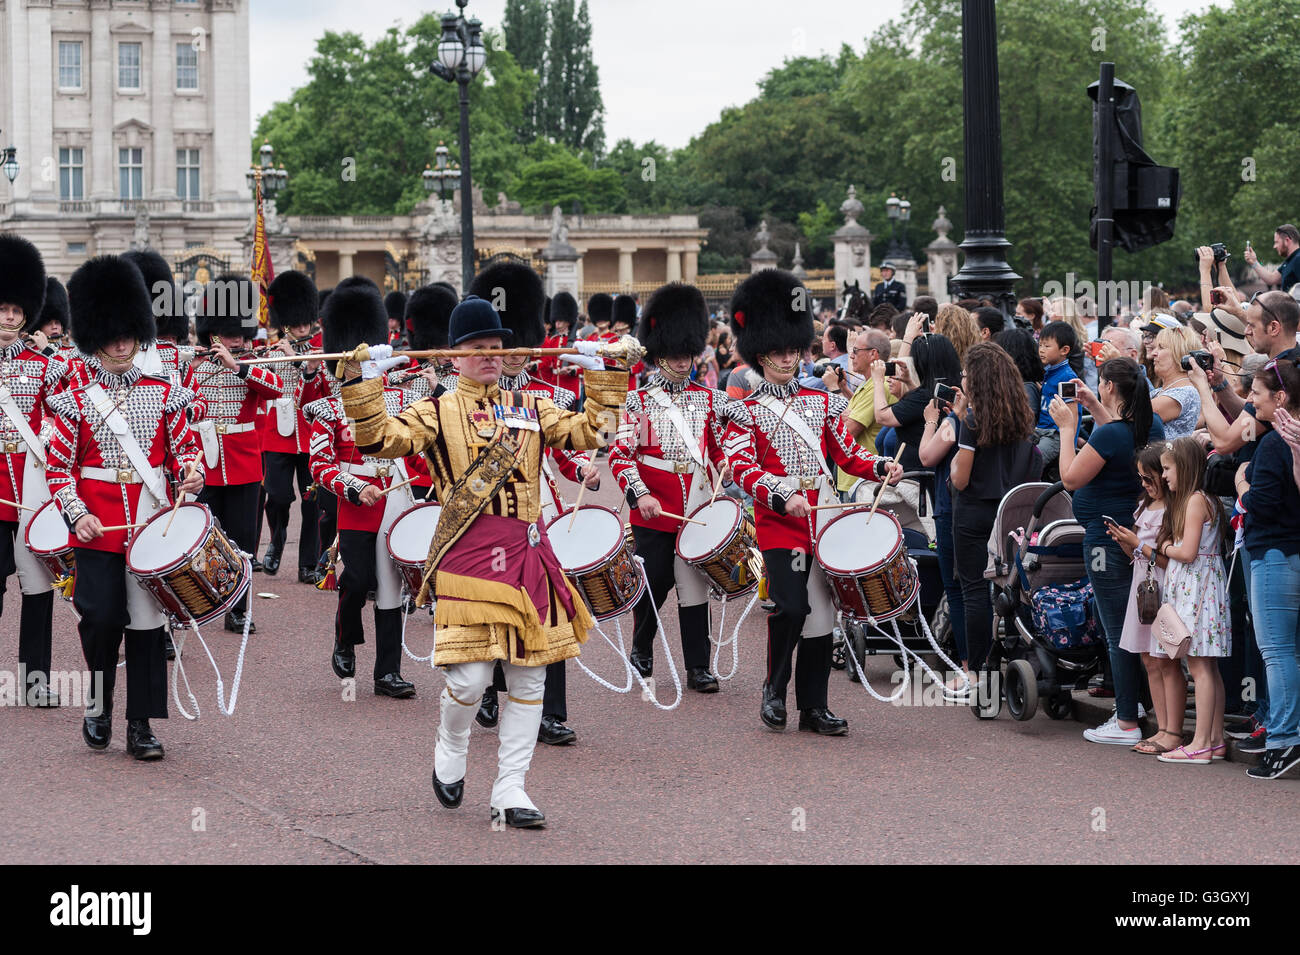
<point>124,476</point>
<point>11,447</point>
<point>221,429</point>
<point>681,467</point>
<point>807,483</point>
<point>534,535</point>
<point>382,471</point>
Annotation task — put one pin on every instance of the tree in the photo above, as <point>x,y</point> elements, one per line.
<point>563,179</point>
<point>525,28</point>
<point>806,76</point>
<point>649,176</point>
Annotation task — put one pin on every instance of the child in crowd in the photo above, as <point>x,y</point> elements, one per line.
<point>1056,343</point>
<point>1191,536</point>
<point>1164,676</point>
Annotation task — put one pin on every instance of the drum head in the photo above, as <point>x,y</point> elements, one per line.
<point>849,544</point>
<point>48,532</point>
<point>151,552</point>
<point>597,532</point>
<point>412,533</point>
<point>696,542</point>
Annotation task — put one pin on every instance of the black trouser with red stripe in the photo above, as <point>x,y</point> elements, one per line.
<point>36,616</point>
<point>281,469</point>
<point>787,587</point>
<point>235,508</point>
<point>357,549</point>
<point>327,507</point>
<point>100,600</point>
<point>659,551</point>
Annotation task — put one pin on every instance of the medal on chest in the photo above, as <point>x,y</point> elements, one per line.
<point>483,424</point>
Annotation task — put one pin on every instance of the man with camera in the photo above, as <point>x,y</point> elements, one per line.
<point>1286,243</point>
<point>860,416</point>
<point>829,374</point>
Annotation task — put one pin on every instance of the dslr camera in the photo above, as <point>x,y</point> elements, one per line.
<point>1202,358</point>
<point>1220,251</point>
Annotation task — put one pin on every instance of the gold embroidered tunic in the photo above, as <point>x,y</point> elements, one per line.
<point>480,619</point>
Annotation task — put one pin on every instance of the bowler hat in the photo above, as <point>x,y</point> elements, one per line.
<point>476,318</point>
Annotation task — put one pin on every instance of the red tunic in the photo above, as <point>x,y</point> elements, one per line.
<point>154,409</point>
<point>568,463</point>
<point>235,405</point>
<point>768,457</point>
<point>647,432</point>
<point>30,377</point>
<point>303,389</point>
<point>553,371</point>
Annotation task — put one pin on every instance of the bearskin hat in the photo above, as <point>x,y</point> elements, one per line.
<point>291,300</point>
<point>228,307</point>
<point>521,298</point>
<point>353,315</point>
<point>428,315</point>
<point>108,301</point>
<point>56,305</point>
<point>624,311</point>
<point>770,311</point>
<point>395,304</point>
<point>674,322</point>
<point>599,307</point>
<point>168,303</point>
<point>564,308</point>
<point>22,276</point>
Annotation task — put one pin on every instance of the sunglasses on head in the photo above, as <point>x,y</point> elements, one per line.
<point>1255,300</point>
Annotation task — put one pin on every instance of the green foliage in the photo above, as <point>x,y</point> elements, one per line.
<point>564,180</point>
<point>816,228</point>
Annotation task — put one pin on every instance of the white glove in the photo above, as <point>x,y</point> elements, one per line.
<point>584,360</point>
<point>380,361</point>
<point>588,348</point>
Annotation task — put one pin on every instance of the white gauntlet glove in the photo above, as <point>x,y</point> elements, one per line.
<point>584,360</point>
<point>381,360</point>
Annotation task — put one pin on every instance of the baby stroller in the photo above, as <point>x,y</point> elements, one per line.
<point>1044,625</point>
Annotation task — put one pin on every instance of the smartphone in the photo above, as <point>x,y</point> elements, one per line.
<point>1069,390</point>
<point>945,394</point>
<point>891,369</point>
<point>1094,349</point>
<point>1110,520</point>
<point>1216,297</point>
<point>925,324</point>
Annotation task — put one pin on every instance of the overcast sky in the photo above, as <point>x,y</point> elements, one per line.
<point>667,67</point>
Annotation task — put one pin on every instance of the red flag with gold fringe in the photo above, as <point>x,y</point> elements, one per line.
<point>263,272</point>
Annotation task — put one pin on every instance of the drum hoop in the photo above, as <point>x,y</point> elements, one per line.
<point>852,571</point>
<point>184,559</point>
<point>726,540</point>
<point>608,555</point>
<point>388,538</point>
<point>27,535</point>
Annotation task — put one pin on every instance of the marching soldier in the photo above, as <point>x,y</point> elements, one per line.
<point>501,593</point>
<point>563,317</point>
<point>27,378</point>
<point>428,314</point>
<point>522,293</point>
<point>227,431</point>
<point>285,440</point>
<point>777,440</point>
<point>670,435</point>
<point>116,441</point>
<point>354,314</point>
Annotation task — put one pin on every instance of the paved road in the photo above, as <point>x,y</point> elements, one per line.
<point>301,774</point>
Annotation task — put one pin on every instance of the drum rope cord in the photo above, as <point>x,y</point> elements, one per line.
<point>227,710</point>
<point>862,677</point>
<point>668,652</point>
<point>734,642</point>
<point>407,650</point>
<point>179,642</point>
<point>621,650</point>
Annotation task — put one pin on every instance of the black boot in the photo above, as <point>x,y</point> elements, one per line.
<point>97,731</point>
<point>489,711</point>
<point>235,622</point>
<point>772,712</point>
<point>140,741</point>
<point>169,648</point>
<point>271,562</point>
<point>344,661</point>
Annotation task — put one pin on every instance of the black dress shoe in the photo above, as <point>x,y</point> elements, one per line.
<point>271,563</point>
<point>140,741</point>
<point>553,732</point>
<point>256,564</point>
<point>97,731</point>
<point>699,678</point>
<point>521,818</point>
<point>643,664</point>
<point>822,721</point>
<point>392,684</point>
<point>449,794</point>
<point>235,622</point>
<point>308,575</point>
<point>169,648</point>
<point>344,662</point>
<point>772,712</point>
<point>489,711</point>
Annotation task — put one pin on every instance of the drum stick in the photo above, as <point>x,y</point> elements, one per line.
<point>582,489</point>
<point>836,506</point>
<point>717,484</point>
<point>180,496</point>
<point>678,517</point>
<point>21,507</point>
<point>883,484</point>
<point>397,487</point>
<point>123,527</point>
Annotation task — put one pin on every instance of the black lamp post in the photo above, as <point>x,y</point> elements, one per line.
<point>266,177</point>
<point>899,212</point>
<point>441,175</point>
<point>9,162</point>
<point>461,57</point>
<point>984,270</point>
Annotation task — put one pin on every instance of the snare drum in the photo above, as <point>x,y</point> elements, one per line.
<point>48,539</point>
<point>598,556</point>
<point>409,540</point>
<point>725,551</point>
<point>193,571</point>
<point>867,566</point>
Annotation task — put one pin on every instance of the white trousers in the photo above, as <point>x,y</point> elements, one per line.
<point>521,716</point>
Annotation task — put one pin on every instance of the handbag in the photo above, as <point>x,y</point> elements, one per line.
<point>1148,597</point>
<point>1171,631</point>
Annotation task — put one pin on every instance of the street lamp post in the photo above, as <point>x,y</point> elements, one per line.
<point>265,177</point>
<point>9,162</point>
<point>461,57</point>
<point>984,271</point>
<point>442,175</point>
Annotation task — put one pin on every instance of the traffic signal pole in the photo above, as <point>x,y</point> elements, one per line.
<point>1104,187</point>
